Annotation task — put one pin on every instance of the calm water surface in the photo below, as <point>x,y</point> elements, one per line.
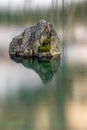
<point>44,95</point>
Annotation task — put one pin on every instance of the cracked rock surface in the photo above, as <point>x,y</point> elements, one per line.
<point>40,40</point>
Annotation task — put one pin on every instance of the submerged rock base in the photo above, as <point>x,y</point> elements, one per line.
<point>40,40</point>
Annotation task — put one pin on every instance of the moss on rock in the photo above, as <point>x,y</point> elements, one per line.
<point>46,41</point>
<point>40,37</point>
<point>45,48</point>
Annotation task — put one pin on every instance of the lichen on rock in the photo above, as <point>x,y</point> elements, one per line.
<point>39,40</point>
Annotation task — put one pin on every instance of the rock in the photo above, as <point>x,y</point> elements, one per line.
<point>40,40</point>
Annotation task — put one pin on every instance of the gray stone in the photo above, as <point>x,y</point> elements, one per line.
<point>40,40</point>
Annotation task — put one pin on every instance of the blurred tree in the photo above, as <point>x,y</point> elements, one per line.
<point>27,4</point>
<point>55,11</point>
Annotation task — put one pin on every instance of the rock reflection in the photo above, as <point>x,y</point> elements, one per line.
<point>45,67</point>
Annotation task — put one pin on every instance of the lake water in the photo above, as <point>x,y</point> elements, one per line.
<point>50,95</point>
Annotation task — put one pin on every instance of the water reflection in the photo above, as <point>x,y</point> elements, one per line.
<point>63,107</point>
<point>45,67</point>
<point>36,108</point>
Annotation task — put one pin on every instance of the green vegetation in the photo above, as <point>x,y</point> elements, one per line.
<point>47,41</point>
<point>45,46</point>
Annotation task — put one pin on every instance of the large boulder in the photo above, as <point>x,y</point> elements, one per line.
<point>40,40</point>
